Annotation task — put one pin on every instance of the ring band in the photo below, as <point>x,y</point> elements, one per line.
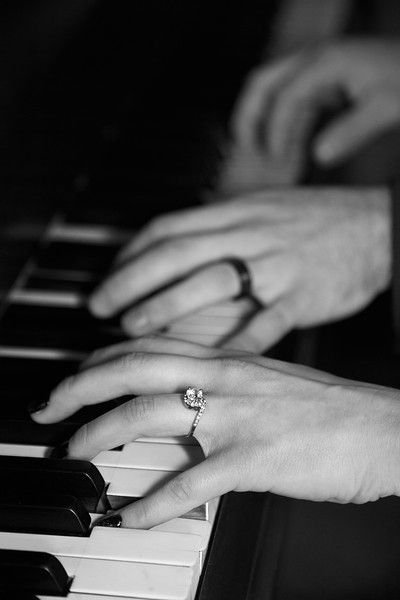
<point>195,399</point>
<point>244,276</point>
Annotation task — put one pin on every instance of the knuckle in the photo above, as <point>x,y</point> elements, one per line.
<point>181,488</point>
<point>283,317</point>
<point>143,514</point>
<point>65,387</point>
<point>328,53</point>
<point>146,343</point>
<point>158,226</point>
<point>96,356</point>
<point>391,106</point>
<point>110,291</point>
<point>139,409</point>
<point>256,76</point>
<point>132,360</point>
<point>79,440</point>
<point>226,369</point>
<point>178,246</point>
<point>249,342</point>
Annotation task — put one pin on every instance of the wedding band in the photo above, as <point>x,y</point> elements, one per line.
<point>195,400</point>
<point>244,276</point>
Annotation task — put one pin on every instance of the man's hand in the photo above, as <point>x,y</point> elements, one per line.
<point>315,255</point>
<point>280,102</point>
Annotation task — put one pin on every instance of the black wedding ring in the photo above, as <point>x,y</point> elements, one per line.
<point>244,276</point>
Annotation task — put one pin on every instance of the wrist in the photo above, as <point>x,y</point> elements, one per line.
<point>384,410</point>
<point>380,236</point>
<point>395,214</point>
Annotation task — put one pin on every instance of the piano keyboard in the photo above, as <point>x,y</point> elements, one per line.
<point>44,332</point>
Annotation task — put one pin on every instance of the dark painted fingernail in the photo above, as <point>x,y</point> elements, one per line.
<point>60,451</point>
<point>110,521</point>
<point>35,407</point>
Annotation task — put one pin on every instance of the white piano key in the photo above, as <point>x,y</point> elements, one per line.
<point>199,328</point>
<point>184,440</point>
<point>127,484</point>
<point>41,353</point>
<point>65,274</point>
<point>197,338</point>
<point>201,529</point>
<point>163,457</point>
<point>131,545</point>
<point>182,525</point>
<point>88,234</point>
<point>124,484</point>
<point>44,451</point>
<point>74,596</point>
<point>230,308</point>
<point>47,298</point>
<point>126,579</point>
<point>24,450</point>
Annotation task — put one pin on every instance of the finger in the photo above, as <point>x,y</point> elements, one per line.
<point>355,129</point>
<point>204,288</point>
<point>169,260</point>
<point>270,274</point>
<point>185,222</point>
<point>296,103</point>
<point>209,479</point>
<point>144,416</point>
<point>136,373</point>
<point>162,263</point>
<point>252,107</point>
<point>267,327</point>
<point>151,344</point>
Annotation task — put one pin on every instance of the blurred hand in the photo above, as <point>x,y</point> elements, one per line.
<point>282,100</point>
<point>315,255</point>
<point>267,426</point>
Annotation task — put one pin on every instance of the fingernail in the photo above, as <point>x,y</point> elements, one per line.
<point>110,521</point>
<point>60,451</point>
<point>136,324</point>
<point>35,407</point>
<point>325,152</point>
<point>97,306</point>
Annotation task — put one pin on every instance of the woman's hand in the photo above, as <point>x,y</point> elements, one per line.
<point>267,426</point>
<point>280,102</point>
<point>314,255</point>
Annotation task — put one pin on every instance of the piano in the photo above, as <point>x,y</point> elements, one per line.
<point>49,507</point>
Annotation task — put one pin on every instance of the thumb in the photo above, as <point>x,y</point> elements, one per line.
<point>266,328</point>
<point>356,128</point>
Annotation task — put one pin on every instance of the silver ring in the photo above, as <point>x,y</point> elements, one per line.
<point>195,400</point>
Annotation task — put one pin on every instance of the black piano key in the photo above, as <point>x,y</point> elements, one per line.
<point>53,514</point>
<point>37,373</point>
<point>56,327</point>
<point>14,404</point>
<point>26,381</point>
<point>20,595</point>
<point>26,431</point>
<point>53,476</point>
<point>77,256</point>
<point>35,572</point>
<point>64,282</point>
